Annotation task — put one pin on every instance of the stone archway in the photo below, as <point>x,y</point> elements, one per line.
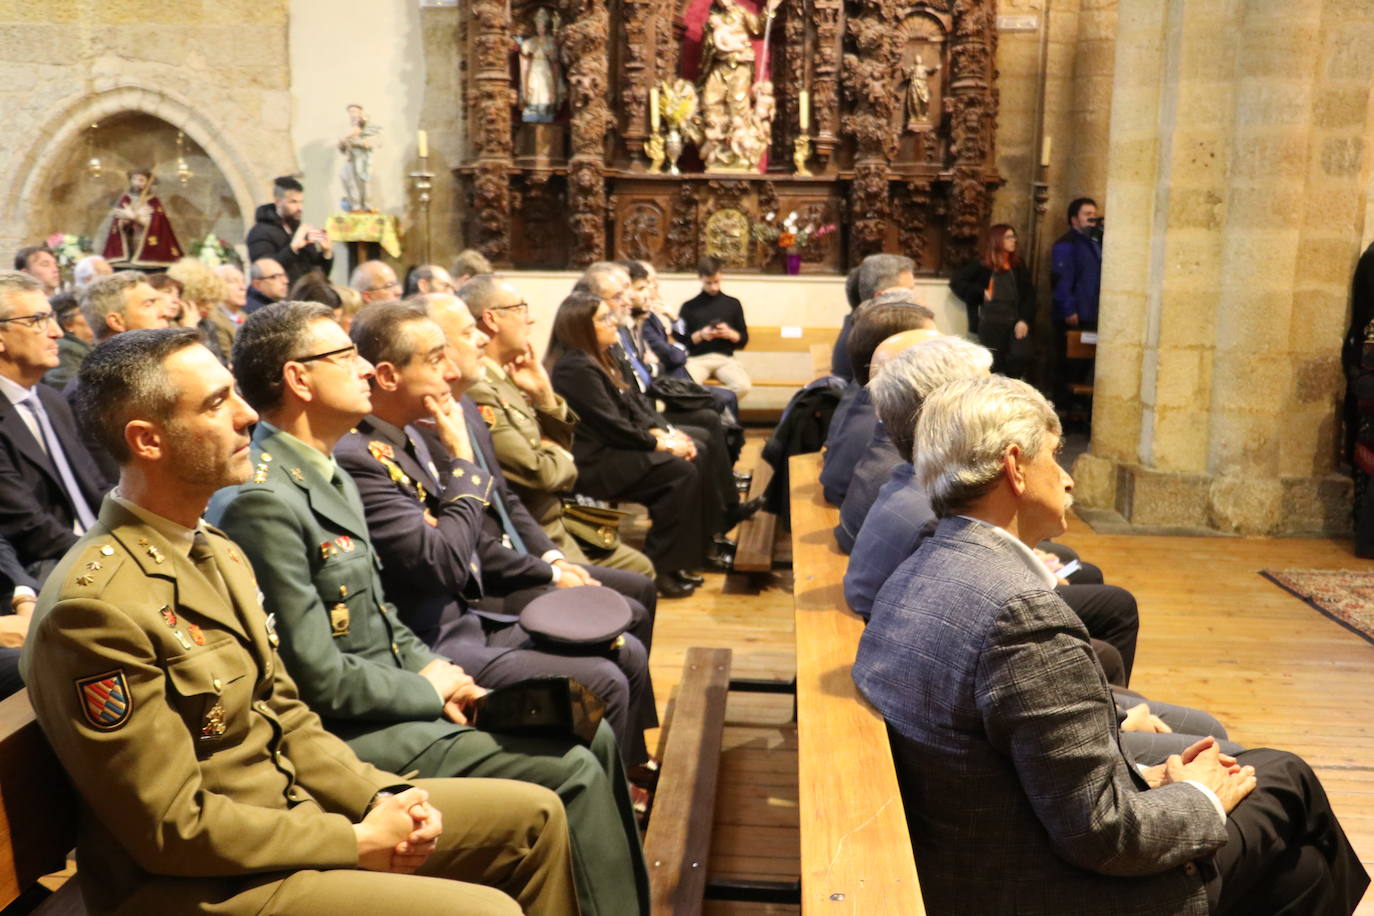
<point>32,171</point>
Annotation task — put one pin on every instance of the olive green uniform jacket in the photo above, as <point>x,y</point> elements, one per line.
<point>539,473</point>
<point>183,734</point>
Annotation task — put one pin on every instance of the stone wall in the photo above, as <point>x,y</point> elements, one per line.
<point>1241,135</point>
<point>215,70</point>
<point>1078,54</point>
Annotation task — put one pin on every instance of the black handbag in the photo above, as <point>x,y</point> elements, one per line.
<point>556,706</point>
<point>681,394</point>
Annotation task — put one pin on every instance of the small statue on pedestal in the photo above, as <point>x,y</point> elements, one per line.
<point>918,95</point>
<point>140,233</point>
<point>541,85</point>
<point>357,146</point>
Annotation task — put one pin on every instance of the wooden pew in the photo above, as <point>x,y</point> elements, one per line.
<point>37,812</point>
<point>678,842</point>
<point>779,360</point>
<point>856,855</point>
<point>754,545</point>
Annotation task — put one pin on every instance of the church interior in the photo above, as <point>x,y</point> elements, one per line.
<point>1212,414</point>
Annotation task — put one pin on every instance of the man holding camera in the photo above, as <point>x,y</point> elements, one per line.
<point>279,234</point>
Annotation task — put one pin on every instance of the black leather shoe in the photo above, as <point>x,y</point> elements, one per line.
<point>671,587</point>
<point>689,578</point>
<point>744,511</point>
<point>723,561</point>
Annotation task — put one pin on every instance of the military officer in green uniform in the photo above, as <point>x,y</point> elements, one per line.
<point>206,785</point>
<point>531,426</point>
<point>373,682</point>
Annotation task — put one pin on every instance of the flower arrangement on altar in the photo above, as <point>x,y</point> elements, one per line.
<point>68,248</point>
<point>790,234</point>
<point>214,251</point>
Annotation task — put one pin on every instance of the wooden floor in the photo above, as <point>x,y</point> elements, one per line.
<point>1214,634</point>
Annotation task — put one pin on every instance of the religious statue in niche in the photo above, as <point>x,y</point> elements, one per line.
<point>918,94</point>
<point>541,83</point>
<point>737,103</point>
<point>140,233</point>
<point>357,147</point>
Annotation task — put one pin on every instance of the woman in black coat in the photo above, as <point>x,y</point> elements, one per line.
<point>620,451</point>
<point>997,290</point>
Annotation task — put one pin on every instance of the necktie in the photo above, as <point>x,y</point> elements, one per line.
<point>516,542</point>
<point>84,516</point>
<point>645,378</point>
<point>348,493</point>
<point>204,559</point>
<point>420,452</point>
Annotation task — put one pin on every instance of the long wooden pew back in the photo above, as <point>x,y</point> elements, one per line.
<point>37,808</point>
<point>856,855</point>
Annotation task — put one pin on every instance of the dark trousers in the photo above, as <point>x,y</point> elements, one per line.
<point>671,491</point>
<point>1110,614</point>
<point>10,681</point>
<point>620,678</point>
<point>1285,852</point>
<point>717,470</point>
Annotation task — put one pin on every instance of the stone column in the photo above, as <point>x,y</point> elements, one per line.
<point>1235,206</point>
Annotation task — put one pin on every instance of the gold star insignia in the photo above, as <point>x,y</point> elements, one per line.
<point>143,542</point>
<point>84,579</point>
<point>266,457</point>
<point>297,475</point>
<point>93,565</point>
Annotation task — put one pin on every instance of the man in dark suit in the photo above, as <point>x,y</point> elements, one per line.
<point>18,592</point>
<point>1019,794</point>
<point>491,568</point>
<point>300,521</point>
<point>50,487</point>
<point>1076,280</point>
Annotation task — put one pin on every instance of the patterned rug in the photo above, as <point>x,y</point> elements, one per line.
<point>1344,595</point>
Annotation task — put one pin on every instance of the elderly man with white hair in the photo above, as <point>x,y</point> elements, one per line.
<point>89,269</point>
<point>1020,796</point>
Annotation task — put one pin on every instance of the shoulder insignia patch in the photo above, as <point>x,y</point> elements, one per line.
<point>105,700</point>
<point>487,413</point>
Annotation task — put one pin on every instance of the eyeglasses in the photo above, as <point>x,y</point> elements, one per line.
<point>607,320</point>
<point>280,276</point>
<point>521,307</point>
<point>391,284</point>
<point>350,351</point>
<point>36,321</point>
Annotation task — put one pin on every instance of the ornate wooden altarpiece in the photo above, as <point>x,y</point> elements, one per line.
<point>579,189</point>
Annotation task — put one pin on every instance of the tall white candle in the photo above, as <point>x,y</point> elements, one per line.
<point>653,109</point>
<point>422,144</point>
<point>1045,150</point>
<point>805,100</point>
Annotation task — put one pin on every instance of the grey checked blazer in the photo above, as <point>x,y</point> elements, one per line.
<point>1018,796</point>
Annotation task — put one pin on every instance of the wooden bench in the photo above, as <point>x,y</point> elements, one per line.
<point>754,544</point>
<point>37,813</point>
<point>779,360</point>
<point>678,842</point>
<point>856,855</point>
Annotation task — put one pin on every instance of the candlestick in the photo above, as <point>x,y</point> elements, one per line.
<point>1045,150</point>
<point>422,144</point>
<point>653,109</point>
<point>805,100</point>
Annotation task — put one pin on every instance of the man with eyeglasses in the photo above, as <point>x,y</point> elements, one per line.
<point>428,278</point>
<point>375,281</point>
<point>301,522</point>
<point>50,487</point>
<point>532,427</point>
<point>267,284</point>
